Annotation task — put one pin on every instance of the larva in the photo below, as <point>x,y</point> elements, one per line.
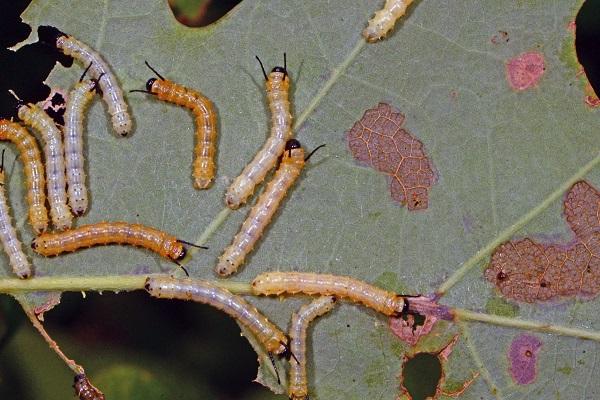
<point>298,386</point>
<point>85,390</point>
<point>33,170</point>
<point>103,233</point>
<point>36,118</point>
<point>262,212</point>
<point>274,340</point>
<point>206,123</point>
<point>111,92</point>
<point>384,20</point>
<point>79,99</point>
<point>275,283</point>
<point>8,235</point>
<point>278,85</point>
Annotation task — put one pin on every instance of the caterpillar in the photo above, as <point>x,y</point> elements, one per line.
<point>8,235</point>
<point>274,340</point>
<point>384,20</point>
<point>103,233</point>
<point>36,118</point>
<point>79,99</point>
<point>206,123</point>
<point>275,283</point>
<point>85,390</point>
<point>298,386</point>
<point>111,92</point>
<point>277,85</point>
<point>33,170</point>
<point>262,212</point>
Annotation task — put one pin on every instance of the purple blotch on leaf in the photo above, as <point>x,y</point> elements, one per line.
<point>522,356</point>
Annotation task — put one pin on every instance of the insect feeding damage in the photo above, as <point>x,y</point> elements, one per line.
<point>529,271</point>
<point>525,70</point>
<point>379,141</point>
<point>522,356</point>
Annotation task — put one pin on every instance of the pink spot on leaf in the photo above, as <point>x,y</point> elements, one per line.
<point>525,70</point>
<point>522,356</point>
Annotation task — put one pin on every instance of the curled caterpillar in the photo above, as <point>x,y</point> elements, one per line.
<point>111,91</point>
<point>36,118</point>
<point>275,283</point>
<point>85,390</point>
<point>262,212</point>
<point>274,340</point>
<point>206,123</point>
<point>103,233</point>
<point>33,170</point>
<point>79,99</point>
<point>278,85</point>
<point>8,235</point>
<point>298,385</point>
<point>384,20</point>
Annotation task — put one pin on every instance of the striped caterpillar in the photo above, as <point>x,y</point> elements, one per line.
<point>79,99</point>
<point>278,85</point>
<point>298,385</point>
<point>85,390</point>
<point>262,212</point>
<point>111,92</point>
<point>384,20</point>
<point>206,123</point>
<point>33,170</point>
<point>8,235</point>
<point>274,340</point>
<point>103,233</point>
<point>36,118</point>
<point>275,283</point>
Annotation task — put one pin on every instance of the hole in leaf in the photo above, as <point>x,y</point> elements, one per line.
<point>197,13</point>
<point>587,39</point>
<point>421,375</point>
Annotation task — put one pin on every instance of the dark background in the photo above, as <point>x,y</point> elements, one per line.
<point>154,349</point>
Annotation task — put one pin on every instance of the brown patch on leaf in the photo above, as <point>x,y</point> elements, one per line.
<point>529,271</point>
<point>408,328</point>
<point>500,37</point>
<point>379,141</point>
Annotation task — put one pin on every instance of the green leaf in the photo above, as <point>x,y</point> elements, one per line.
<point>504,160</point>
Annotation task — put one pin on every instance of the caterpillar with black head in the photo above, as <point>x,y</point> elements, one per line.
<point>206,123</point>
<point>262,212</point>
<point>278,86</point>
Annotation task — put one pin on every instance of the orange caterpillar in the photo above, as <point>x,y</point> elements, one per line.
<point>206,123</point>
<point>298,384</point>
<point>33,170</point>
<point>262,212</point>
<point>278,87</point>
<point>102,233</point>
<point>275,283</point>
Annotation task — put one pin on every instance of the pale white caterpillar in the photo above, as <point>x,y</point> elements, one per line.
<point>8,235</point>
<point>274,340</point>
<point>278,85</point>
<point>111,91</point>
<point>262,212</point>
<point>36,118</point>
<point>384,20</point>
<point>79,99</point>
<point>298,385</point>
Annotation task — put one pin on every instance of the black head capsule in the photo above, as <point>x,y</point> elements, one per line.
<point>149,84</point>
<point>292,144</point>
<point>49,34</point>
<point>182,254</point>
<point>278,69</point>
